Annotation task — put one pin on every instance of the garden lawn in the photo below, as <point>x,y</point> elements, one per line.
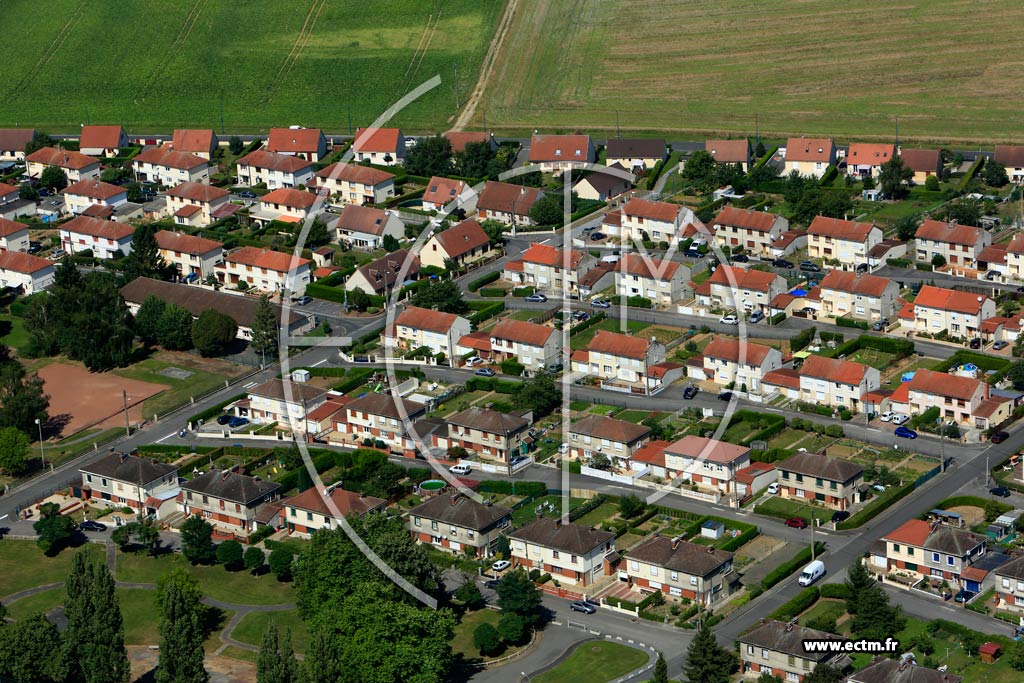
<point>14,333</point>
<point>462,640</point>
<point>580,341</point>
<point>253,625</point>
<point>595,661</point>
<point>635,416</point>
<point>23,565</point>
<point>39,602</point>
<point>602,512</point>
<point>139,613</point>
<point>832,609</point>
<point>785,508</point>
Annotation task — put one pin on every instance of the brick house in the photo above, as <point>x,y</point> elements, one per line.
<point>617,439</point>
<point>958,245</point>
<point>454,523</point>
<point>681,569</point>
<point>381,417</point>
<point>118,480</point>
<point>227,499</point>
<point>778,649</point>
<point>571,553</point>
<point>487,433</point>
<point>313,510</point>
<point>833,482</point>
<point>930,549</point>
<point>708,463</point>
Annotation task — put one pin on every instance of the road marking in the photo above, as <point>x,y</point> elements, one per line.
<point>318,363</point>
<point>250,384</point>
<point>166,437</point>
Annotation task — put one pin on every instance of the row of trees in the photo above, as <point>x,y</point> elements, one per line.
<point>434,156</point>
<point>23,401</point>
<point>172,327</point>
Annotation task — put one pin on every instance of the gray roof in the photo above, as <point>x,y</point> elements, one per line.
<point>604,427</point>
<point>691,558</point>
<point>1014,569</point>
<point>385,405</point>
<point>636,148</point>
<point>883,670</point>
<point>606,183</point>
<point>231,486</point>
<point>777,636</point>
<point>567,538</point>
<point>490,421</point>
<point>811,465</point>
<point>951,541</point>
<point>458,510</point>
<point>130,468</point>
<point>274,389</point>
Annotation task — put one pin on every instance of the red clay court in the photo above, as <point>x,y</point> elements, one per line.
<point>93,398</point>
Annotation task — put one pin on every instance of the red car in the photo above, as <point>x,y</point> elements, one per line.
<point>797,522</point>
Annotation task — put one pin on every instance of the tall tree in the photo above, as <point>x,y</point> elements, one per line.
<point>53,529</point>
<point>478,160</point>
<point>28,649</point>
<point>858,580</point>
<point>22,398</point>
<point>429,157</point>
<point>548,209</point>
<point>235,144</point>
<point>197,540</point>
<point>707,661</point>
<point>95,326</point>
<point>213,333</point>
<point>182,630</point>
<point>322,663</point>
<point>145,259</point>
<point>174,328</point>
<point>14,451</point>
<point>264,328</point>
<point>276,662</point>
<point>94,638</point>
<point>700,170</point>
<point>894,178</point>
<point>876,618</point>
<point>994,173</point>
<point>660,670</point>
<point>540,394</point>
<point>444,295</point>
<point>147,319</point>
<point>823,673</point>
<point>518,595</point>
<point>38,142</point>
<point>53,178</point>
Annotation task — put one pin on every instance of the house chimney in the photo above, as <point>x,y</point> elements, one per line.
<point>675,543</point>
<point>121,457</point>
<point>454,499</point>
<point>558,522</point>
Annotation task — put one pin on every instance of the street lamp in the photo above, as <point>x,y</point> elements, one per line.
<point>42,455</point>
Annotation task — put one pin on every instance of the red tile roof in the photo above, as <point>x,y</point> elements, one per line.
<point>169,158</point>
<point>729,151</point>
<point>21,262</point>
<point>377,140</point>
<point>950,233</point>
<point>354,173</point>
<point>290,197</point>
<point>522,332</point>
<point>994,253</point>
<point>752,471</point>
<point>460,139</point>
<point>989,406</point>
<point>6,189</point>
<point>186,244</point>
<point>15,139</point>
<point>286,163</point>
<point>783,377</point>
<point>51,156</point>
<point>759,221</point>
<point>653,453</point>
<point>266,258</point>
<point>8,228</point>
<point>946,385</point>
<point>503,197</point>
<point>711,450</point>
<point>99,211</point>
<point>425,319</point>
<point>186,211</point>
<point>105,137</point>
<point>462,238</point>
<point>659,370</point>
<point>869,153</point>
<point>616,344</point>
<point>604,427</point>
<point>1016,245</point>
<point>756,280</point>
<point>1011,156</point>
<point>198,192</point>
<point>192,140</point>
<point>648,267</point>
<point>560,148</point>
<point>480,341</point>
<point>656,211</point>
<point>809,149</point>
<point>94,189</point>
<point>294,140</point>
<point>342,502</point>
<point>736,350</point>
<point>840,229</point>
<point>442,190</point>
<point>949,300</point>
<point>834,370</point>
<point>856,283</point>
<point>990,325</point>
<point>912,532</point>
<point>97,227</point>
<point>546,255</point>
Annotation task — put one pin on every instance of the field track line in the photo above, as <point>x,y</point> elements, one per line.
<point>177,45</point>
<point>305,41</point>
<point>300,42</point>
<point>426,47</point>
<point>415,52</point>
<point>487,67</point>
<point>53,47</point>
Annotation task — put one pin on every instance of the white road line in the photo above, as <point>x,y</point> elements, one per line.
<point>250,384</point>
<point>318,363</point>
<point>166,437</point>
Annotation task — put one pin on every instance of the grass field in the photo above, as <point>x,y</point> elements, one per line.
<point>23,565</point>
<point>253,625</point>
<point>256,64</point>
<point>207,374</point>
<point>595,662</point>
<point>946,70</point>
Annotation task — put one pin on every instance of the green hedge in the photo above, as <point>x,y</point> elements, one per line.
<point>481,281</point>
<point>782,571</point>
<point>291,480</point>
<point>355,378</point>
<point>872,509</point>
<point>971,172</point>
<point>216,410</point>
<point>523,291</point>
<point>777,318</point>
<point>849,322</point>
<point>502,386</point>
<point>973,501</point>
<point>803,600</point>
<point>736,543</point>
<point>493,292</point>
<point>829,177</point>
<point>588,323</point>
<point>485,311</point>
<point>510,366</point>
<point>836,591</point>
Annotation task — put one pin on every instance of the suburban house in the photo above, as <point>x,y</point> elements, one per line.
<point>810,156</point>
<point>743,364</point>
<point>273,170</point>
<point>462,244</point>
<point>923,162</point>
<point>441,192</point>
<point>416,328</point>
<point>959,313</point>
<point>381,146</point>
<point>85,193</point>
<point>265,270</point>
<point>120,480</point>
<point>778,649</point>
<point>284,204</point>
<point>489,434</point>
<point>241,309</point>
<point>679,568</point>
<point>992,260</point>
<point>621,358</point>
<point>313,509</point>
<point>507,203</point>
<point>958,245</point>
<point>102,141</point>
<point>169,167</point>
<point>929,549</point>
<point>600,434</point>
<point>537,347</point>
<point>1015,257</point>
<point>885,670</point>
<point>644,220</point>
<point>576,555</point>
<point>635,153</point>
<point>843,244</point>
<point>741,289</point>
<point>788,242</point>
<point>1009,585</point>
<point>380,276</point>
<point>13,235</point>
<point>13,142</point>
<point>100,236</point>
<point>730,152</point>
<point>749,231</point>
<point>865,159</point>
<point>305,143</point>
<point>460,138</point>
<point>957,398</point>
<point>76,166</point>
<point>198,141</point>
<point>283,402</point>
<point>364,227</point>
<point>833,482</point>
<point>227,499</point>
<point>879,255</point>
<point>710,464</point>
<point>194,204</point>
<point>458,524</point>
<point>355,184</point>
<point>600,186</point>
<point>841,384</point>
<point>551,269</point>
<point>663,282</point>
<point>1012,157</point>
<point>559,152</point>
<point>858,296</point>
<point>189,254</point>
<point>381,417</point>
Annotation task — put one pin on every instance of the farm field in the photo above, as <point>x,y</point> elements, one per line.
<point>255,64</point>
<point>808,67</point>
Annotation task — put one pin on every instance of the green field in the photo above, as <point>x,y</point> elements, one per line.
<point>253,625</point>
<point>161,64</point>
<point>595,662</point>
<point>948,71</point>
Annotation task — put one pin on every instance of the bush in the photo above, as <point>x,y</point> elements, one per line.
<point>510,366</point>
<point>849,322</point>
<point>798,604</point>
<point>229,554</point>
<point>493,292</point>
<point>481,281</point>
<point>253,558</point>
<point>487,639</point>
<point>836,591</point>
<point>281,561</point>
<point>511,628</point>
<point>834,430</point>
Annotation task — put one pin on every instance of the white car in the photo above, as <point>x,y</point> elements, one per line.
<point>501,565</point>
<point>898,419</point>
<point>460,469</point>
<point>887,416</point>
<point>474,360</point>
<point>729,320</point>
<point>773,488</point>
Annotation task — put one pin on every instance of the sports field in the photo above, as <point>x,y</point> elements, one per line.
<point>153,65</point>
<point>951,70</point>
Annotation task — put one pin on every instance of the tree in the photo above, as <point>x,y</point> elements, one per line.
<point>487,639</point>
<point>931,183</point>
<point>938,261</point>
<point>503,548</point>
<point>1016,374</point>
<point>631,506</point>
<point>358,300</point>
<point>706,660</point>
<point>699,170</point>
<point>276,661</point>
<point>469,593</point>
<point>823,673</point>
<point>318,234</point>
<point>894,178</point>
<point>253,559</point>
<point>868,182</point>
<point>444,295</point>
<point>38,142</point>
<point>858,580</point>
<point>495,231</point>
<point>229,554</point>
<point>970,641</point>
<point>660,666</point>
<point>264,328</point>
<point>22,398</point>
<point>14,451</point>
<point>147,318</point>
<point>875,617</point>
<point>994,174</point>
<point>478,160</point>
<point>600,461</point>
<point>114,175</point>
<point>213,333</point>
<point>965,212</point>
<point>174,328</point>
<point>906,227</point>
<point>512,628</point>
<point>235,145</point>
<point>540,394</point>
<point>145,259</point>
<point>86,318</point>
<point>53,178</point>
<point>27,192</point>
<point>430,156</point>
<point>197,540</point>
<point>94,638</point>
<point>182,630</point>
<point>518,595</point>
<point>54,530</point>
<point>390,243</point>
<point>27,650</point>
<point>1017,656</point>
<point>122,536</point>
<point>323,660</point>
<point>547,210</point>
<point>280,562</point>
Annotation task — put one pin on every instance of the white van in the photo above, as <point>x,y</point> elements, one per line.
<point>811,573</point>
<point>460,469</point>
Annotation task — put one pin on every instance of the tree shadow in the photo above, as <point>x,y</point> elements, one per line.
<point>214,619</point>
<point>141,353</point>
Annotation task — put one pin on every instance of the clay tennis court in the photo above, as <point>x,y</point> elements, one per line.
<point>81,399</point>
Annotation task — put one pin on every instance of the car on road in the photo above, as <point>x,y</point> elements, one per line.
<point>535,298</point>
<point>246,194</point>
<point>303,300</point>
<point>600,303</point>
<point>89,525</point>
<point>975,343</point>
<point>597,236</point>
<point>1000,345</point>
<point>905,433</point>
<point>1000,437</point>
<point>485,372</point>
<point>899,419</point>
<point>492,583</point>
<point>224,419</point>
<point>810,266</point>
<point>740,258</point>
<point>880,325</point>
<point>689,392</point>
<point>1000,491</point>
<point>797,522</point>
<point>756,317</point>
<point>773,488</point>
<point>460,469</point>
<point>580,606</point>
<point>729,320</point>
<point>725,396</point>
<point>782,263</point>
<point>237,422</point>
<point>887,416</point>
<point>840,515</point>
<point>501,565</point>
<point>963,596</point>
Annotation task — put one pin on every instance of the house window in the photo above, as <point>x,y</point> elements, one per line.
<point>309,516</point>
<point>433,525</point>
<point>634,565</point>
<point>654,571</point>
<point>750,649</point>
<point>935,557</point>
<point>693,580</point>
<point>88,478</point>
<point>949,560</point>
<point>573,559</point>
<point>416,521</point>
<point>554,554</point>
<point>675,576</point>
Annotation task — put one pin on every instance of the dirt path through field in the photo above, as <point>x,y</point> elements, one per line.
<point>487,68</point>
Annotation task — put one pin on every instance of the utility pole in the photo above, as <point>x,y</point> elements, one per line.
<point>897,131</point>
<point>814,521</point>
<point>757,131</point>
<point>42,453</point>
<point>127,428</point>
<point>618,131</point>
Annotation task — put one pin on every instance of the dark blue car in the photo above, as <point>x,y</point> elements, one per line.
<point>237,422</point>
<point>906,433</point>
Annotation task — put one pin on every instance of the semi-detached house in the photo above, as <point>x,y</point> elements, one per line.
<point>265,270</point>
<point>84,194</point>
<point>778,649</point>
<point>490,434</point>
<point>355,184</point>
<point>284,403</point>
<point>313,509</point>
<point>189,255</point>
<point>679,568</point>
<point>1015,258</point>
<point>833,482</point>
<point>957,398</point>
<point>741,289</point>
<point>858,296</point>
<point>840,243</point>
<point>537,347</point>
<point>643,219</point>
<point>228,500</point>
<point>507,203</point>
<point>661,281</point>
<point>959,313</point>
<point>380,417</point>
<point>710,464</point>
<point>169,167</point>
<point>929,549</point>
<point>416,327</point>
<point>620,357</point>
<point>458,524</point>
<point>573,554</point>
<point>840,384</point>
<point>30,274</point>
<point>1009,585</point>
<point>118,480</point>
<point>750,231</point>
<point>274,170</point>
<point>284,204</point>
<point>76,166</point>
<point>743,364</point>
<point>102,237</point>
<point>957,245</point>
<point>561,152</point>
<point>618,440</point>
<point>550,269</point>
<point>194,204</point>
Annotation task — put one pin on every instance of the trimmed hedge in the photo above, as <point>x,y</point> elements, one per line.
<point>847,322</point>
<point>783,570</point>
<point>777,318</point>
<point>971,172</point>
<point>836,591</point>
<point>803,600</point>
<point>829,177</point>
<point>493,292</point>
<point>353,380</point>
<point>514,488</point>
<point>481,281</point>
<point>736,543</point>
<point>874,508</point>
<point>485,311</point>
<point>589,322</point>
<point>321,461</point>
<point>523,291</point>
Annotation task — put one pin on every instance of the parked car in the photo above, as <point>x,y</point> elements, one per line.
<point>725,396</point>
<point>580,606</point>
<point>246,194</point>
<point>773,488</point>
<point>89,525</point>
<point>840,515</point>
<point>535,298</point>
<point>303,300</point>
<point>237,422</point>
<point>1000,437</point>
<point>797,522</point>
<point>224,419</point>
<point>597,236</point>
<point>690,391</point>
<point>1000,491</point>
<point>782,263</point>
<point>808,310</point>
<point>963,596</point>
<point>899,418</point>
<point>756,317</point>
<point>57,255</point>
<point>810,266</point>
<point>880,325</point>
<point>580,316</point>
<point>555,367</point>
<point>905,433</point>
<point>887,416</point>
<point>474,360</point>
<point>492,583</point>
<point>740,258</point>
<point>1000,345</point>
<point>501,565</point>
<point>460,469</point>
<point>975,343</point>
<point>729,320</point>
<point>485,372</point>
<point>600,303</point>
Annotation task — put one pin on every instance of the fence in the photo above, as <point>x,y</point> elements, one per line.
<point>611,476</point>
